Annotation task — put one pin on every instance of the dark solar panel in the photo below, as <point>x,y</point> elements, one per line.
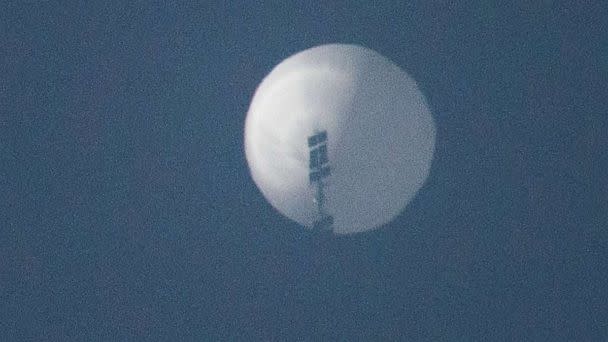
<point>317,139</point>
<point>324,172</point>
<point>312,141</point>
<point>314,161</point>
<point>315,176</point>
<point>322,154</point>
<point>320,174</point>
<point>318,157</point>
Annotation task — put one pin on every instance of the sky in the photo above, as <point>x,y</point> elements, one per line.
<point>127,211</point>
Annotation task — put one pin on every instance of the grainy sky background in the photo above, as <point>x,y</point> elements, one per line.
<point>127,211</point>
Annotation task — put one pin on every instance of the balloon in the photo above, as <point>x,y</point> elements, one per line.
<point>380,136</point>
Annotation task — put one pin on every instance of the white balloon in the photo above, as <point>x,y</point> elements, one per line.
<point>381,136</point>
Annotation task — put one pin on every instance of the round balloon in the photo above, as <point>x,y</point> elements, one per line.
<point>378,133</point>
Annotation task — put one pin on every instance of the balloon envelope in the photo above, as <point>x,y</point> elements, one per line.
<point>381,136</point>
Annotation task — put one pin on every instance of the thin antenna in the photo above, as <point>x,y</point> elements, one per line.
<point>319,170</point>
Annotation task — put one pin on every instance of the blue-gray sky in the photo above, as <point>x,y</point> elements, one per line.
<point>127,211</point>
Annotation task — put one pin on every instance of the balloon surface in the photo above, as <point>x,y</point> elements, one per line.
<point>380,136</point>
